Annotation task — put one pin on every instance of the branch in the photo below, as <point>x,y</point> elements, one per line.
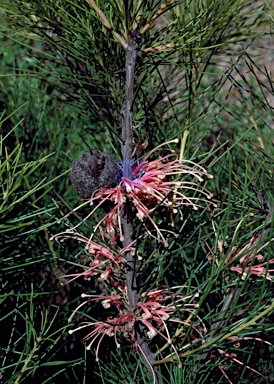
<point>105,21</point>
<point>126,149</point>
<point>159,48</point>
<point>154,17</point>
<point>146,354</point>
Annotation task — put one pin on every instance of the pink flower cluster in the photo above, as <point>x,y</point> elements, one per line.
<point>249,259</point>
<point>154,310</point>
<point>104,260</point>
<point>167,182</point>
<point>154,183</point>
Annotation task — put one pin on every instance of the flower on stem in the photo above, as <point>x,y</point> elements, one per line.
<point>249,259</point>
<point>248,262</point>
<point>153,183</point>
<point>158,307</point>
<point>105,261</point>
<point>111,327</point>
<point>122,324</point>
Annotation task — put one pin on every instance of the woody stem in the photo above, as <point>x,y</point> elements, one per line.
<point>126,148</point>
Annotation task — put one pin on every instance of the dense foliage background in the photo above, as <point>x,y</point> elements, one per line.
<point>204,75</point>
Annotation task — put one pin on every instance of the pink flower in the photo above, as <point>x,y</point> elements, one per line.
<point>105,261</point>
<point>122,324</point>
<point>249,258</point>
<point>153,183</point>
<point>248,261</point>
<point>158,306</point>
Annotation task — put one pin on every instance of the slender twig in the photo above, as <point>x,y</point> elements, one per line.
<point>105,21</point>
<point>131,46</point>
<point>29,359</point>
<point>126,149</point>
<point>138,15</point>
<point>154,17</point>
<point>159,48</point>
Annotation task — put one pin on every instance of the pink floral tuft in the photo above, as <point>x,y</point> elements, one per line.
<point>249,259</point>
<point>153,183</point>
<point>158,307</point>
<point>104,261</point>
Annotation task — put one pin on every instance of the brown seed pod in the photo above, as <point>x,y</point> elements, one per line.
<point>92,170</point>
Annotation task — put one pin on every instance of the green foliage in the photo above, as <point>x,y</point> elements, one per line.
<point>14,182</point>
<point>32,336</point>
<point>30,332</point>
<point>203,75</point>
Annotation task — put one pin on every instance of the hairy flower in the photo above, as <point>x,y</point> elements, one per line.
<point>104,260</point>
<point>249,259</point>
<point>157,182</point>
<point>157,307</point>
<point>250,263</point>
<point>111,327</point>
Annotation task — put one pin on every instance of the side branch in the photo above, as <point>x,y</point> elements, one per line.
<point>154,17</point>
<point>105,21</point>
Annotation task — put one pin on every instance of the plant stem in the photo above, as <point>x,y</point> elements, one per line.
<point>147,356</point>
<point>127,128</point>
<point>126,149</point>
<point>29,359</point>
